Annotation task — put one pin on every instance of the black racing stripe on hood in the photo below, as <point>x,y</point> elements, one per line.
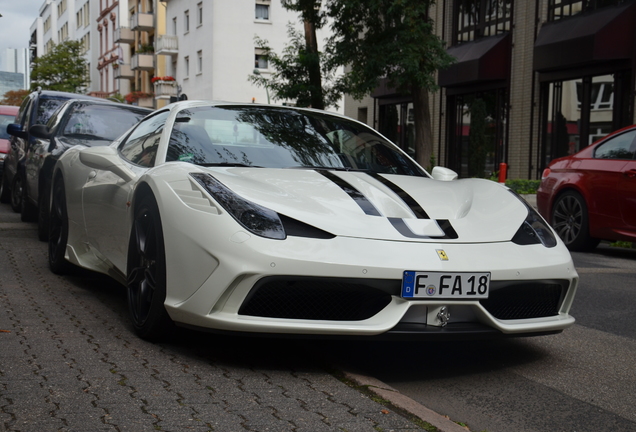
<point>444,224</point>
<point>417,210</point>
<point>366,205</point>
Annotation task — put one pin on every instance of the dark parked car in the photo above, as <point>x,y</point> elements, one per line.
<point>88,123</point>
<point>36,108</point>
<point>591,195</point>
<point>7,116</point>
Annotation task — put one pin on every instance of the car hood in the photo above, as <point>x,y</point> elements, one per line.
<point>384,206</point>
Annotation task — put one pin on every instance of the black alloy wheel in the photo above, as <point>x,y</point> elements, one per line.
<point>16,193</point>
<point>58,230</point>
<point>146,273</point>
<point>570,220</point>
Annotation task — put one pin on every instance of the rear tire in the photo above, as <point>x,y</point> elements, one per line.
<point>43,217</point>
<point>570,220</point>
<point>58,230</point>
<point>146,273</point>
<point>28,212</point>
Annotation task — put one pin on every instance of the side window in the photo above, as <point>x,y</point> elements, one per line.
<point>619,147</point>
<point>142,144</point>
<point>24,108</point>
<point>46,108</point>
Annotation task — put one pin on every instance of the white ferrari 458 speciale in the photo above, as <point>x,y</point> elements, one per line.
<point>270,219</point>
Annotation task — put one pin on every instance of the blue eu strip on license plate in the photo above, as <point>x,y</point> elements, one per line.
<point>438,285</point>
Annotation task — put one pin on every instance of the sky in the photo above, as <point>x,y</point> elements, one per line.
<point>15,24</point>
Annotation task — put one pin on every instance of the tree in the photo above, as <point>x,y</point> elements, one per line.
<point>62,69</point>
<point>300,74</point>
<point>14,97</point>
<point>392,39</point>
<point>292,79</point>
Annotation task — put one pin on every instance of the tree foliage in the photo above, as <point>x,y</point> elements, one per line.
<point>62,69</point>
<point>392,39</point>
<point>300,71</point>
<point>14,97</point>
<point>291,79</point>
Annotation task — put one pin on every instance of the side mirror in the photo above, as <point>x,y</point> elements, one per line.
<point>16,130</point>
<point>106,159</point>
<point>40,131</point>
<point>444,174</point>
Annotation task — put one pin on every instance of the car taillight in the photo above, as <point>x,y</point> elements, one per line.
<point>546,172</point>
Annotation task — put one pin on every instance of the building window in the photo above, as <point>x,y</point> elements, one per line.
<point>260,59</point>
<point>47,25</point>
<point>87,14</point>
<point>200,14</point>
<point>262,10</point>
<point>475,19</point>
<point>186,21</point>
<point>86,43</point>
<point>186,66</point>
<point>199,62</point>
<point>174,26</point>
<point>558,9</point>
<point>62,34</point>
<point>78,19</point>
<point>61,7</point>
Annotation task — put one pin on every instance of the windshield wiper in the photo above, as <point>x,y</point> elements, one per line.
<point>327,168</point>
<point>87,136</point>
<point>228,164</point>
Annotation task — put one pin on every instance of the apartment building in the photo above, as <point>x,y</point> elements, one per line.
<point>542,79</point>
<point>61,20</point>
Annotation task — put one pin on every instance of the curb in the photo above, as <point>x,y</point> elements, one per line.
<point>405,403</point>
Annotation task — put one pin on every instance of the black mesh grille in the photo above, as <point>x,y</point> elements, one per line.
<point>315,299</point>
<point>522,300</point>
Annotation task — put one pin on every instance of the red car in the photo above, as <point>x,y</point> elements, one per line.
<point>7,116</point>
<point>591,195</point>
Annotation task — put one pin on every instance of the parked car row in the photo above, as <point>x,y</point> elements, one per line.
<point>268,219</point>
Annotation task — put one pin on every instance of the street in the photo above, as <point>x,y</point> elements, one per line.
<point>70,361</point>
<point>583,379</point>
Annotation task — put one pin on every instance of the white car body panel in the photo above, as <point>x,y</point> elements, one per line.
<point>213,262</point>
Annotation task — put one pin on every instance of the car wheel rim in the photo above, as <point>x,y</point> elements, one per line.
<point>568,219</point>
<point>142,281</point>
<point>16,192</point>
<point>57,218</point>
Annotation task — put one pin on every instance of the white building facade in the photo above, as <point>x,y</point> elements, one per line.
<point>211,45</point>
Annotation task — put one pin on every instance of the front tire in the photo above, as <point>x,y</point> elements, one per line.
<point>58,230</point>
<point>146,273</point>
<point>16,193</point>
<point>43,217</point>
<point>570,220</point>
<point>5,191</point>
<point>28,212</point>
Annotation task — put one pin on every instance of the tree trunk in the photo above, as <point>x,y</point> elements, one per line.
<point>423,129</point>
<point>315,78</point>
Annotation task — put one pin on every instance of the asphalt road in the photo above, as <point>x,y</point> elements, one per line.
<point>581,380</point>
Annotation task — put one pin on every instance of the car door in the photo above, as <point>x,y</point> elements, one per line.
<point>610,187</point>
<point>106,197</point>
<point>627,191</point>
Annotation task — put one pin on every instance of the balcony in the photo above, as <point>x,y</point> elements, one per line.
<point>124,35</point>
<point>143,62</point>
<point>124,71</point>
<point>142,22</point>
<point>165,89</point>
<point>167,45</point>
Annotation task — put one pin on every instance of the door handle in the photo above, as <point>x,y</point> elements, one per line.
<point>630,173</point>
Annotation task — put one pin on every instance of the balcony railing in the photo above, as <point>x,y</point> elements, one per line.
<point>165,89</point>
<point>124,71</point>
<point>142,22</point>
<point>167,45</point>
<point>124,35</point>
<point>144,62</point>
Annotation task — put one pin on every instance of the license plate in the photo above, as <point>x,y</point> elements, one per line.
<point>439,285</point>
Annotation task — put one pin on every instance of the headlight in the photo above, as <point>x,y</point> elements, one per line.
<point>253,217</point>
<point>534,229</point>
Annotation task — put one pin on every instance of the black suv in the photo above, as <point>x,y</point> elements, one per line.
<point>36,108</point>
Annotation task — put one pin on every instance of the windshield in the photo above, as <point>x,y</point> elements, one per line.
<point>5,120</point>
<point>101,122</point>
<point>281,138</point>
